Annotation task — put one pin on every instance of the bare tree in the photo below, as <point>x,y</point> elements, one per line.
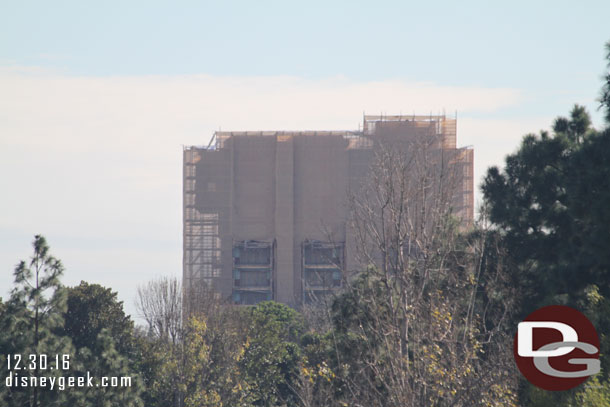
<point>201,300</point>
<point>159,302</point>
<point>425,318</point>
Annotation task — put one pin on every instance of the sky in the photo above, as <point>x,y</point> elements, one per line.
<point>97,100</point>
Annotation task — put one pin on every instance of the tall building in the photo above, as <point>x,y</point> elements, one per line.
<point>265,212</point>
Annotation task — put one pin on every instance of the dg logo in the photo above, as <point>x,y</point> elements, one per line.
<point>556,348</point>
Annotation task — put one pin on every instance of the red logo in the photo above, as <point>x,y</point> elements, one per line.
<point>556,348</point>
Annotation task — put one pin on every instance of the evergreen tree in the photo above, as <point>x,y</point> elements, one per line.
<point>551,204</point>
<point>103,339</point>
<point>30,326</point>
<point>101,359</point>
<point>92,308</point>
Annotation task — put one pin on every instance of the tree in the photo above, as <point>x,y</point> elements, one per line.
<point>32,322</point>
<point>271,354</point>
<point>202,369</point>
<point>551,206</point>
<point>594,394</point>
<point>98,359</point>
<point>103,337</point>
<point>92,308</point>
<point>204,383</point>
<point>549,202</point>
<point>423,322</point>
<point>160,304</point>
<point>195,362</point>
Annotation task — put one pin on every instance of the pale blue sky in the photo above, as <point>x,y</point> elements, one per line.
<point>517,44</point>
<point>96,99</point>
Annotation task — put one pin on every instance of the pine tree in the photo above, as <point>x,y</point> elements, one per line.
<point>101,359</point>
<point>30,325</point>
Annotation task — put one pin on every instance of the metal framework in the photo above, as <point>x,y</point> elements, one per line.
<point>322,263</point>
<point>201,238</point>
<point>442,126</point>
<point>253,265</point>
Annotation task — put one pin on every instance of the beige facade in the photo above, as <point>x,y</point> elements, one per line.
<point>265,213</point>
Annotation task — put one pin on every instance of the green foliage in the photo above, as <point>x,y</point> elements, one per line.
<point>92,308</point>
<point>551,204</point>
<point>155,367</point>
<point>257,356</point>
<point>230,357</point>
<point>101,359</point>
<point>594,393</point>
<point>286,321</point>
<point>436,350</point>
<point>103,337</point>
<point>31,321</point>
<point>34,323</point>
<point>271,355</point>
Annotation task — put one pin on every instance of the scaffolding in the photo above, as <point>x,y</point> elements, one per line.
<point>355,139</point>
<point>466,204</point>
<point>201,239</point>
<point>253,264</point>
<point>322,263</point>
<point>440,125</point>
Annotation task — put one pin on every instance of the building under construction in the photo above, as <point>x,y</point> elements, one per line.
<point>265,212</point>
